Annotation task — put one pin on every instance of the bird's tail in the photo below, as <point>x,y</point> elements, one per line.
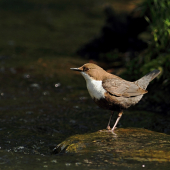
<point>144,81</point>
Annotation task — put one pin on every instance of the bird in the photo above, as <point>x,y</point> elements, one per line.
<point>111,92</point>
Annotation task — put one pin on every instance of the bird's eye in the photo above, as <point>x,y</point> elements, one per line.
<point>85,69</point>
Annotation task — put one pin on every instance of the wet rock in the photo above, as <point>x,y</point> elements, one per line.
<point>129,144</point>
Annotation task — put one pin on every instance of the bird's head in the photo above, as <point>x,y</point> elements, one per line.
<point>90,70</point>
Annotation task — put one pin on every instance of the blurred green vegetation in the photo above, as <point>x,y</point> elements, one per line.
<point>157,55</point>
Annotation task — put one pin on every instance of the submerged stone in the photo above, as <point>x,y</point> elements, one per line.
<point>127,144</point>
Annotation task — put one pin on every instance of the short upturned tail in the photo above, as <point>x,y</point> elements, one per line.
<point>144,81</point>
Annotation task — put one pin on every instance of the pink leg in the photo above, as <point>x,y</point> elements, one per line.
<point>108,126</point>
<point>118,118</point>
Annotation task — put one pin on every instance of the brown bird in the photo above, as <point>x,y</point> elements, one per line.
<point>112,92</point>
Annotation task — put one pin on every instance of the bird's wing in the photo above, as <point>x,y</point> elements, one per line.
<point>120,87</point>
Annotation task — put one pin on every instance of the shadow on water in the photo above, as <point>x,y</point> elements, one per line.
<point>42,103</point>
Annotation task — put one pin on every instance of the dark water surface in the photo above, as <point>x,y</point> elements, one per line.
<point>42,102</point>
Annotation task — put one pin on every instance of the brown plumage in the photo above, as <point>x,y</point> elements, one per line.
<point>112,92</point>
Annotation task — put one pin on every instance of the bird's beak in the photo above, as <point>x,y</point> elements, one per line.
<point>76,69</point>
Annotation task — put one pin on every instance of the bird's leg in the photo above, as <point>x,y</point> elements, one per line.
<point>118,118</point>
<point>108,126</point>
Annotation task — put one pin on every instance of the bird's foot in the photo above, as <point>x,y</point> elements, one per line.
<point>112,131</point>
<point>108,128</point>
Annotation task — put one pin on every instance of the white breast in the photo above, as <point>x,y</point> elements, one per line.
<point>94,87</point>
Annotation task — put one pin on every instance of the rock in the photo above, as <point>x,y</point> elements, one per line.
<point>126,144</point>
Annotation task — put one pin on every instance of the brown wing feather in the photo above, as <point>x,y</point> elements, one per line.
<point>120,87</point>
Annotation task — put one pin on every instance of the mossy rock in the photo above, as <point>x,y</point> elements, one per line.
<point>127,144</point>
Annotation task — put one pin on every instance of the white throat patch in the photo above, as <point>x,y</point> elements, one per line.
<point>94,87</point>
